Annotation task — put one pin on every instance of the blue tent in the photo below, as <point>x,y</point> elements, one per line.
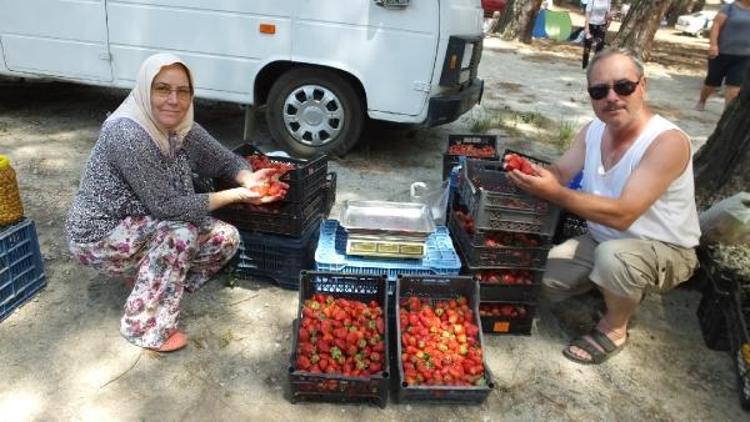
<point>538,31</point>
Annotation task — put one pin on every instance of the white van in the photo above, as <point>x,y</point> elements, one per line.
<point>320,66</point>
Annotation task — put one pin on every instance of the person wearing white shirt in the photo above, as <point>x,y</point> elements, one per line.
<point>595,27</point>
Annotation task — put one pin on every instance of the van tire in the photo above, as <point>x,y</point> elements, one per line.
<point>338,135</point>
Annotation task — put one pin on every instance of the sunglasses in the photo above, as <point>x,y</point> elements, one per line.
<point>622,87</point>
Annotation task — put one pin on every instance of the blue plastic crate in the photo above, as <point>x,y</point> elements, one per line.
<point>280,258</point>
<point>440,259</point>
<point>21,267</point>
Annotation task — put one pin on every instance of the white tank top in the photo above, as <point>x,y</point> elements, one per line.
<point>673,218</point>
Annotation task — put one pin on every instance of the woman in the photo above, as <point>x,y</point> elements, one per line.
<point>597,19</point>
<point>728,52</point>
<point>136,213</point>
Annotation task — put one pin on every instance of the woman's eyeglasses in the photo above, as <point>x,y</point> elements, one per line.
<point>622,87</point>
<point>163,91</point>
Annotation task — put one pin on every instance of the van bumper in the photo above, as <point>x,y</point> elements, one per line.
<point>447,108</point>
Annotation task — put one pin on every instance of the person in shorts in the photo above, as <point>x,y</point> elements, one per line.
<point>728,52</point>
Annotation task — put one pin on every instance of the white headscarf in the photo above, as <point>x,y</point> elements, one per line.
<point>137,106</point>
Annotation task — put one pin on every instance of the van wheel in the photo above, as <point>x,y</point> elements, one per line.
<point>313,111</point>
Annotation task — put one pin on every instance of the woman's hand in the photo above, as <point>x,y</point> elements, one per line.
<point>265,183</point>
<point>713,51</point>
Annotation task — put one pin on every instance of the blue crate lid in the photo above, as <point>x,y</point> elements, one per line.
<point>441,257</point>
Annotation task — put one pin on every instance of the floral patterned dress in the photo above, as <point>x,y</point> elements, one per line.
<point>165,258</point>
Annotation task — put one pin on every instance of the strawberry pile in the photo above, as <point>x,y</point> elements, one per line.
<point>341,336</point>
<point>516,162</point>
<point>273,187</point>
<point>502,310</point>
<point>260,161</point>
<point>466,221</point>
<point>501,239</point>
<point>440,343</point>
<point>506,277</point>
<point>469,150</point>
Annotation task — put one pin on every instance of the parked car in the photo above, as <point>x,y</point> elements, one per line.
<point>492,6</point>
<point>695,24</point>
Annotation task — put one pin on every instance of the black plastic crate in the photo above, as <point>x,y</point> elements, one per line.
<point>712,318</point>
<point>305,181</point>
<point>519,323</point>
<point>569,226</point>
<point>440,288</point>
<point>451,160</point>
<point>279,258</point>
<point>739,340</point>
<point>496,204</point>
<point>289,219</point>
<point>307,386</point>
<point>509,257</point>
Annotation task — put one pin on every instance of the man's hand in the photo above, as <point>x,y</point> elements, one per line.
<point>541,182</point>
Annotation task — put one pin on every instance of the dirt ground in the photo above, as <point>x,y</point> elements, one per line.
<point>61,356</point>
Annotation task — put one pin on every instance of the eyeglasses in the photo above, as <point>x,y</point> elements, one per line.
<point>622,87</point>
<point>163,91</point>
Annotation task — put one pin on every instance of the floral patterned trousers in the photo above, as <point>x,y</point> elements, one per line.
<point>164,258</point>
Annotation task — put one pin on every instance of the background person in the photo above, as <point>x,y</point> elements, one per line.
<point>136,213</point>
<point>728,52</point>
<point>637,197</point>
<point>597,18</point>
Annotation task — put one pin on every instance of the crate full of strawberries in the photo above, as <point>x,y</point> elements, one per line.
<point>483,147</point>
<point>304,177</point>
<point>340,349</point>
<point>439,341</point>
<point>481,248</point>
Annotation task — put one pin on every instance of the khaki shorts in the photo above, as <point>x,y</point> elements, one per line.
<point>624,267</point>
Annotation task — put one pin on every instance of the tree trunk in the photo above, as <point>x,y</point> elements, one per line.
<point>722,166</point>
<point>521,22</point>
<point>639,26</point>
<point>683,7</point>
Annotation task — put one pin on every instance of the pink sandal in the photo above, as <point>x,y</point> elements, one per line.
<point>176,341</point>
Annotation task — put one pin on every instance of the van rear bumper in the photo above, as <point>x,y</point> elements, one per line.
<point>447,108</point>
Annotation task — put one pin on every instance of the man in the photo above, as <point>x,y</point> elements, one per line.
<point>637,197</point>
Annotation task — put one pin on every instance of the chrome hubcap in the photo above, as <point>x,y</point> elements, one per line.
<point>313,115</point>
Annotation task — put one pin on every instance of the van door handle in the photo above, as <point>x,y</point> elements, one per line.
<point>392,4</point>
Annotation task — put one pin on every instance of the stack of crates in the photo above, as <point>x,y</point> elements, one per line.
<point>21,267</point>
<point>503,235</point>
<point>278,239</point>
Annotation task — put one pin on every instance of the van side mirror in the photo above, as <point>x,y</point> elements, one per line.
<point>394,4</point>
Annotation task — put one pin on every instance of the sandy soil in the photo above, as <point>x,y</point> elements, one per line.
<point>63,359</point>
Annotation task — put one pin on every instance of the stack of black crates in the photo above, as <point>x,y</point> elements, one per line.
<point>724,316</point>
<point>503,235</point>
<point>278,240</point>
